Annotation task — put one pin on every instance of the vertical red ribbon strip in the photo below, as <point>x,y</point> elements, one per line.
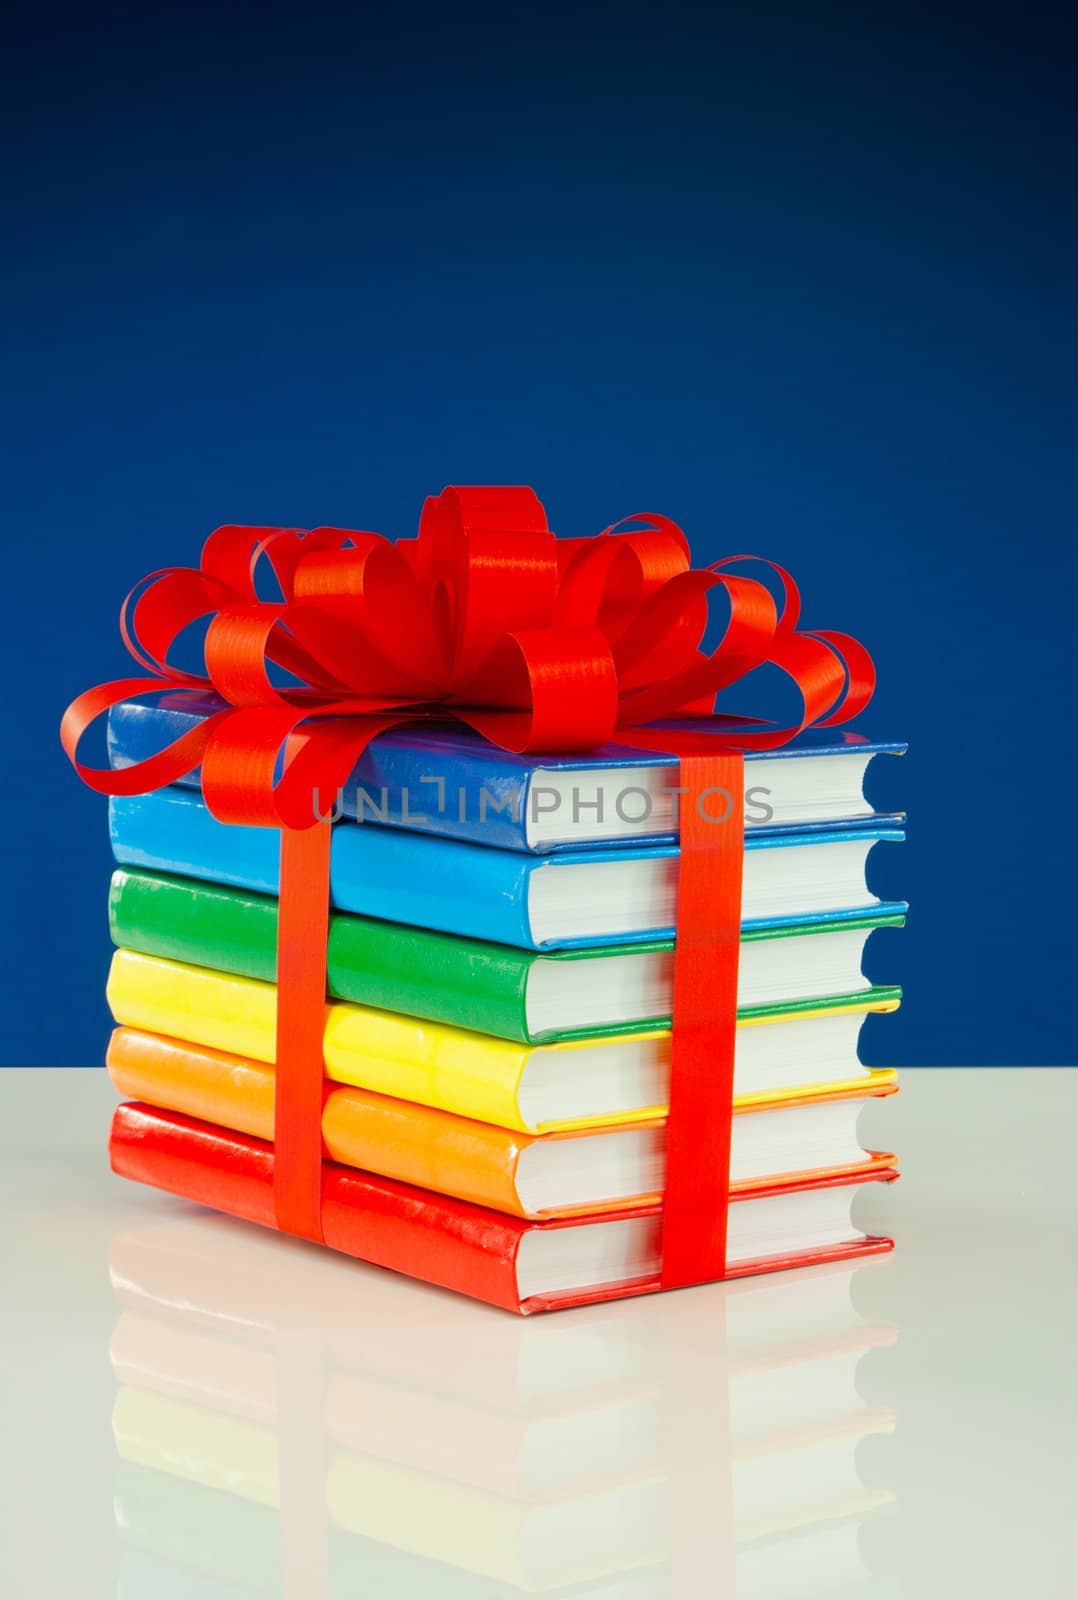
<point>704,1019</point>
<point>302,940</point>
<point>702,1045</point>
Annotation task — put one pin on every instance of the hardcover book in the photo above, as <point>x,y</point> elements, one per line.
<point>582,897</point>
<point>470,983</point>
<point>447,780</point>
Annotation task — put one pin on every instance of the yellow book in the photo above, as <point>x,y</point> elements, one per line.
<point>541,1088</point>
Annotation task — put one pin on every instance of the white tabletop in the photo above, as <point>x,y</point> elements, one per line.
<point>906,1427</point>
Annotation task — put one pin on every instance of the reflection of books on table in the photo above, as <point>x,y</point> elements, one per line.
<point>825,1563</point>
<point>459,1450</point>
<point>534,1544</point>
<point>225,1278</point>
<point>584,1440</point>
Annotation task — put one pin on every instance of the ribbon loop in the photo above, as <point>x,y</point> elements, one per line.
<point>486,617</point>
<point>558,685</point>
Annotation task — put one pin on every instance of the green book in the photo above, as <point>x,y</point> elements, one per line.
<point>530,996</point>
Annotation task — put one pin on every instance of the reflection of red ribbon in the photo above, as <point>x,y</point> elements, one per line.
<point>538,644</point>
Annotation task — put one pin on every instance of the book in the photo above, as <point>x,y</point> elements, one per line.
<point>577,898</point>
<point>515,994</point>
<point>522,1175</point>
<point>519,1265</point>
<point>540,1088</point>
<point>447,780</point>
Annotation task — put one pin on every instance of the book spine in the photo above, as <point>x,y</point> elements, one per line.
<point>468,983</point>
<point>208,1008</point>
<point>171,831</point>
<point>445,1242</point>
<point>137,730</point>
<point>429,1064</point>
<point>227,929</point>
<point>432,883</point>
<point>419,1145</point>
<point>464,982</point>
<point>208,1084</point>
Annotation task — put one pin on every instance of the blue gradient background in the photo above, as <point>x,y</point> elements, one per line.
<point>806,283</point>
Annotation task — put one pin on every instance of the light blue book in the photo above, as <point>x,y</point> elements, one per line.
<point>536,902</point>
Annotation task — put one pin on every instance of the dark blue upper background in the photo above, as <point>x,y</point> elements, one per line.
<point>806,284</point>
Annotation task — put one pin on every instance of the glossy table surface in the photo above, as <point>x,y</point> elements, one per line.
<point>192,1407</point>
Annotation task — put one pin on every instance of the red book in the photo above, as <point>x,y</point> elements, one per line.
<point>506,1261</point>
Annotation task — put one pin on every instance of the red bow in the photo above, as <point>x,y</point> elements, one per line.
<point>537,643</point>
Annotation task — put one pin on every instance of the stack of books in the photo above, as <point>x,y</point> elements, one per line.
<point>497,1032</point>
<point>602,1454</point>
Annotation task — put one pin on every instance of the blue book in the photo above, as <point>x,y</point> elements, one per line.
<point>576,898</point>
<point>443,779</point>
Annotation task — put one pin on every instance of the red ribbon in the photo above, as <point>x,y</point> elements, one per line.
<point>538,643</point>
